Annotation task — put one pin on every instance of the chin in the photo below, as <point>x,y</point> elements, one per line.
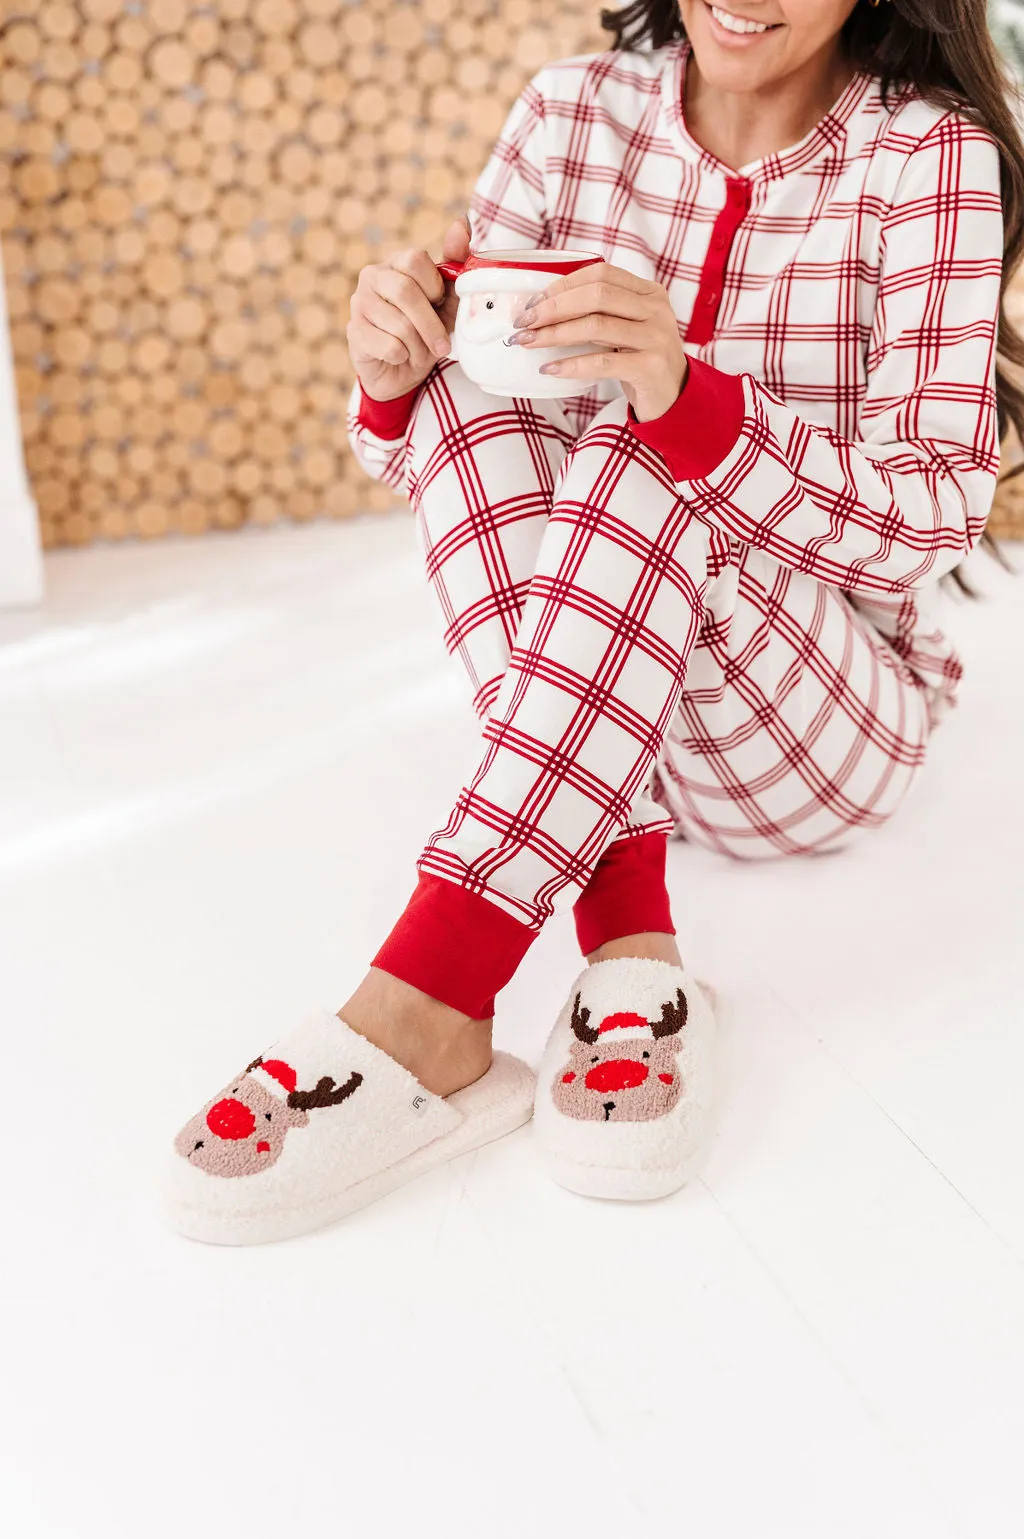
<point>746,70</point>
<point>734,75</point>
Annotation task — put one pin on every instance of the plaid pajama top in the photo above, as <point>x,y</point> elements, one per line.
<point>838,302</point>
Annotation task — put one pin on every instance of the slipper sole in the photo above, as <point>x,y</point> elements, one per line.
<point>616,1183</point>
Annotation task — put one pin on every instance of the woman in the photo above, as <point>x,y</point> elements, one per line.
<point>689,597</point>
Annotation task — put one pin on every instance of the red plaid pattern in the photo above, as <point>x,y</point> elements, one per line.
<point>605,630</point>
<point>717,615</point>
<point>636,671</point>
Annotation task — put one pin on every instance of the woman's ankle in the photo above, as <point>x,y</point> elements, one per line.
<point>626,895</point>
<point>443,1048</point>
<point>653,945</point>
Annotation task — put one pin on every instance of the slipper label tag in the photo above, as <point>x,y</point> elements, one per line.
<point>420,1103</point>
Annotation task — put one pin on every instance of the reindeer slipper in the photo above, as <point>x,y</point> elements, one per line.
<point>625,1087</point>
<point>321,1123</point>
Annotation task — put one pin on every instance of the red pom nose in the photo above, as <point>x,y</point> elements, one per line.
<point>230,1119</point>
<point>616,1074</point>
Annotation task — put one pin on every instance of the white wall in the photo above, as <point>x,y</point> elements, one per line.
<point>21,557</point>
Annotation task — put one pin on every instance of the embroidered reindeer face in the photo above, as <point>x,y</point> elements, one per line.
<point>242,1130</point>
<point>624,1069</point>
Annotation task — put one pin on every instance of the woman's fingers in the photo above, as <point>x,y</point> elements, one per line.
<point>605,279</point>
<point>406,292</point>
<point>605,330</point>
<point>597,298</point>
<point>382,331</point>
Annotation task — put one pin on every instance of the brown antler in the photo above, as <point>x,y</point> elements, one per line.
<point>254,1065</point>
<point>579,1022</point>
<point>673,1016</point>
<point>326,1093</point>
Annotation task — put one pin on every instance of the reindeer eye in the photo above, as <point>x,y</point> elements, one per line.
<point>267,1115</point>
<point>594,1059</point>
<point>647,1055</point>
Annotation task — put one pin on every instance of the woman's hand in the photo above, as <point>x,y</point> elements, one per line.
<point>631,316</point>
<point>400,316</point>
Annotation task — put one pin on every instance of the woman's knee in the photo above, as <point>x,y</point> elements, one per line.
<point>458,468</point>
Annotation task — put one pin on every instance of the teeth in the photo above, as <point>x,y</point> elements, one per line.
<point>737,23</point>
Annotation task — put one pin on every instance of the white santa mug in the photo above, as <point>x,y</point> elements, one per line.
<point>492,288</point>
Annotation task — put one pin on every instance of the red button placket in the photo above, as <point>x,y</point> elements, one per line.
<point>712,279</point>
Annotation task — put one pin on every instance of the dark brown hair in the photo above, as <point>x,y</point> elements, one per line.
<point>945,50</point>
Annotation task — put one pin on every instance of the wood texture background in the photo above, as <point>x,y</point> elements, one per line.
<point>188,192</point>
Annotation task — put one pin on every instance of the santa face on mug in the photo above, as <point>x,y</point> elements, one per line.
<point>490,316</point>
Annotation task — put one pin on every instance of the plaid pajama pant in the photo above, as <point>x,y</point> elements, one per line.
<point>637,672</point>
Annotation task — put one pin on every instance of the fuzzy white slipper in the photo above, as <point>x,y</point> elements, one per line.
<point>625,1088</point>
<point>321,1123</point>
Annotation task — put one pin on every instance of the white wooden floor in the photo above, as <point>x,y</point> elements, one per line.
<point>218,759</point>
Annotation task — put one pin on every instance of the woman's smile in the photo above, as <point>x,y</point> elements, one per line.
<point>732,30</point>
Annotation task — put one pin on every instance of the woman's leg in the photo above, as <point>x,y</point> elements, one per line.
<point>799,726</point>
<point>594,682</point>
<point>481,477</point>
<point>480,474</point>
<point>593,679</point>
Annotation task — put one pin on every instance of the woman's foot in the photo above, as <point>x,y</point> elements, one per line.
<point>652,944</point>
<point>625,1088</point>
<point>443,1048</point>
<point>322,1122</point>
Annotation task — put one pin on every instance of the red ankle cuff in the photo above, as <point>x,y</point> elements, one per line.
<point>626,895</point>
<point>455,946</point>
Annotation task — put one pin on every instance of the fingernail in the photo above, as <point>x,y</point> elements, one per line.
<point>534,300</point>
<point>441,347</point>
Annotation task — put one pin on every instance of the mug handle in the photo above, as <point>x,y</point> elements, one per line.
<point>451,270</point>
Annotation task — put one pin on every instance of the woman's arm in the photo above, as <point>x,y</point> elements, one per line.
<point>507,208</point>
<point>905,501</point>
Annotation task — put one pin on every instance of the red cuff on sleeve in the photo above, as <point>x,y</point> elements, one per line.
<point>701,426</point>
<point>386,419</point>
<point>626,894</point>
<point>455,946</point>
